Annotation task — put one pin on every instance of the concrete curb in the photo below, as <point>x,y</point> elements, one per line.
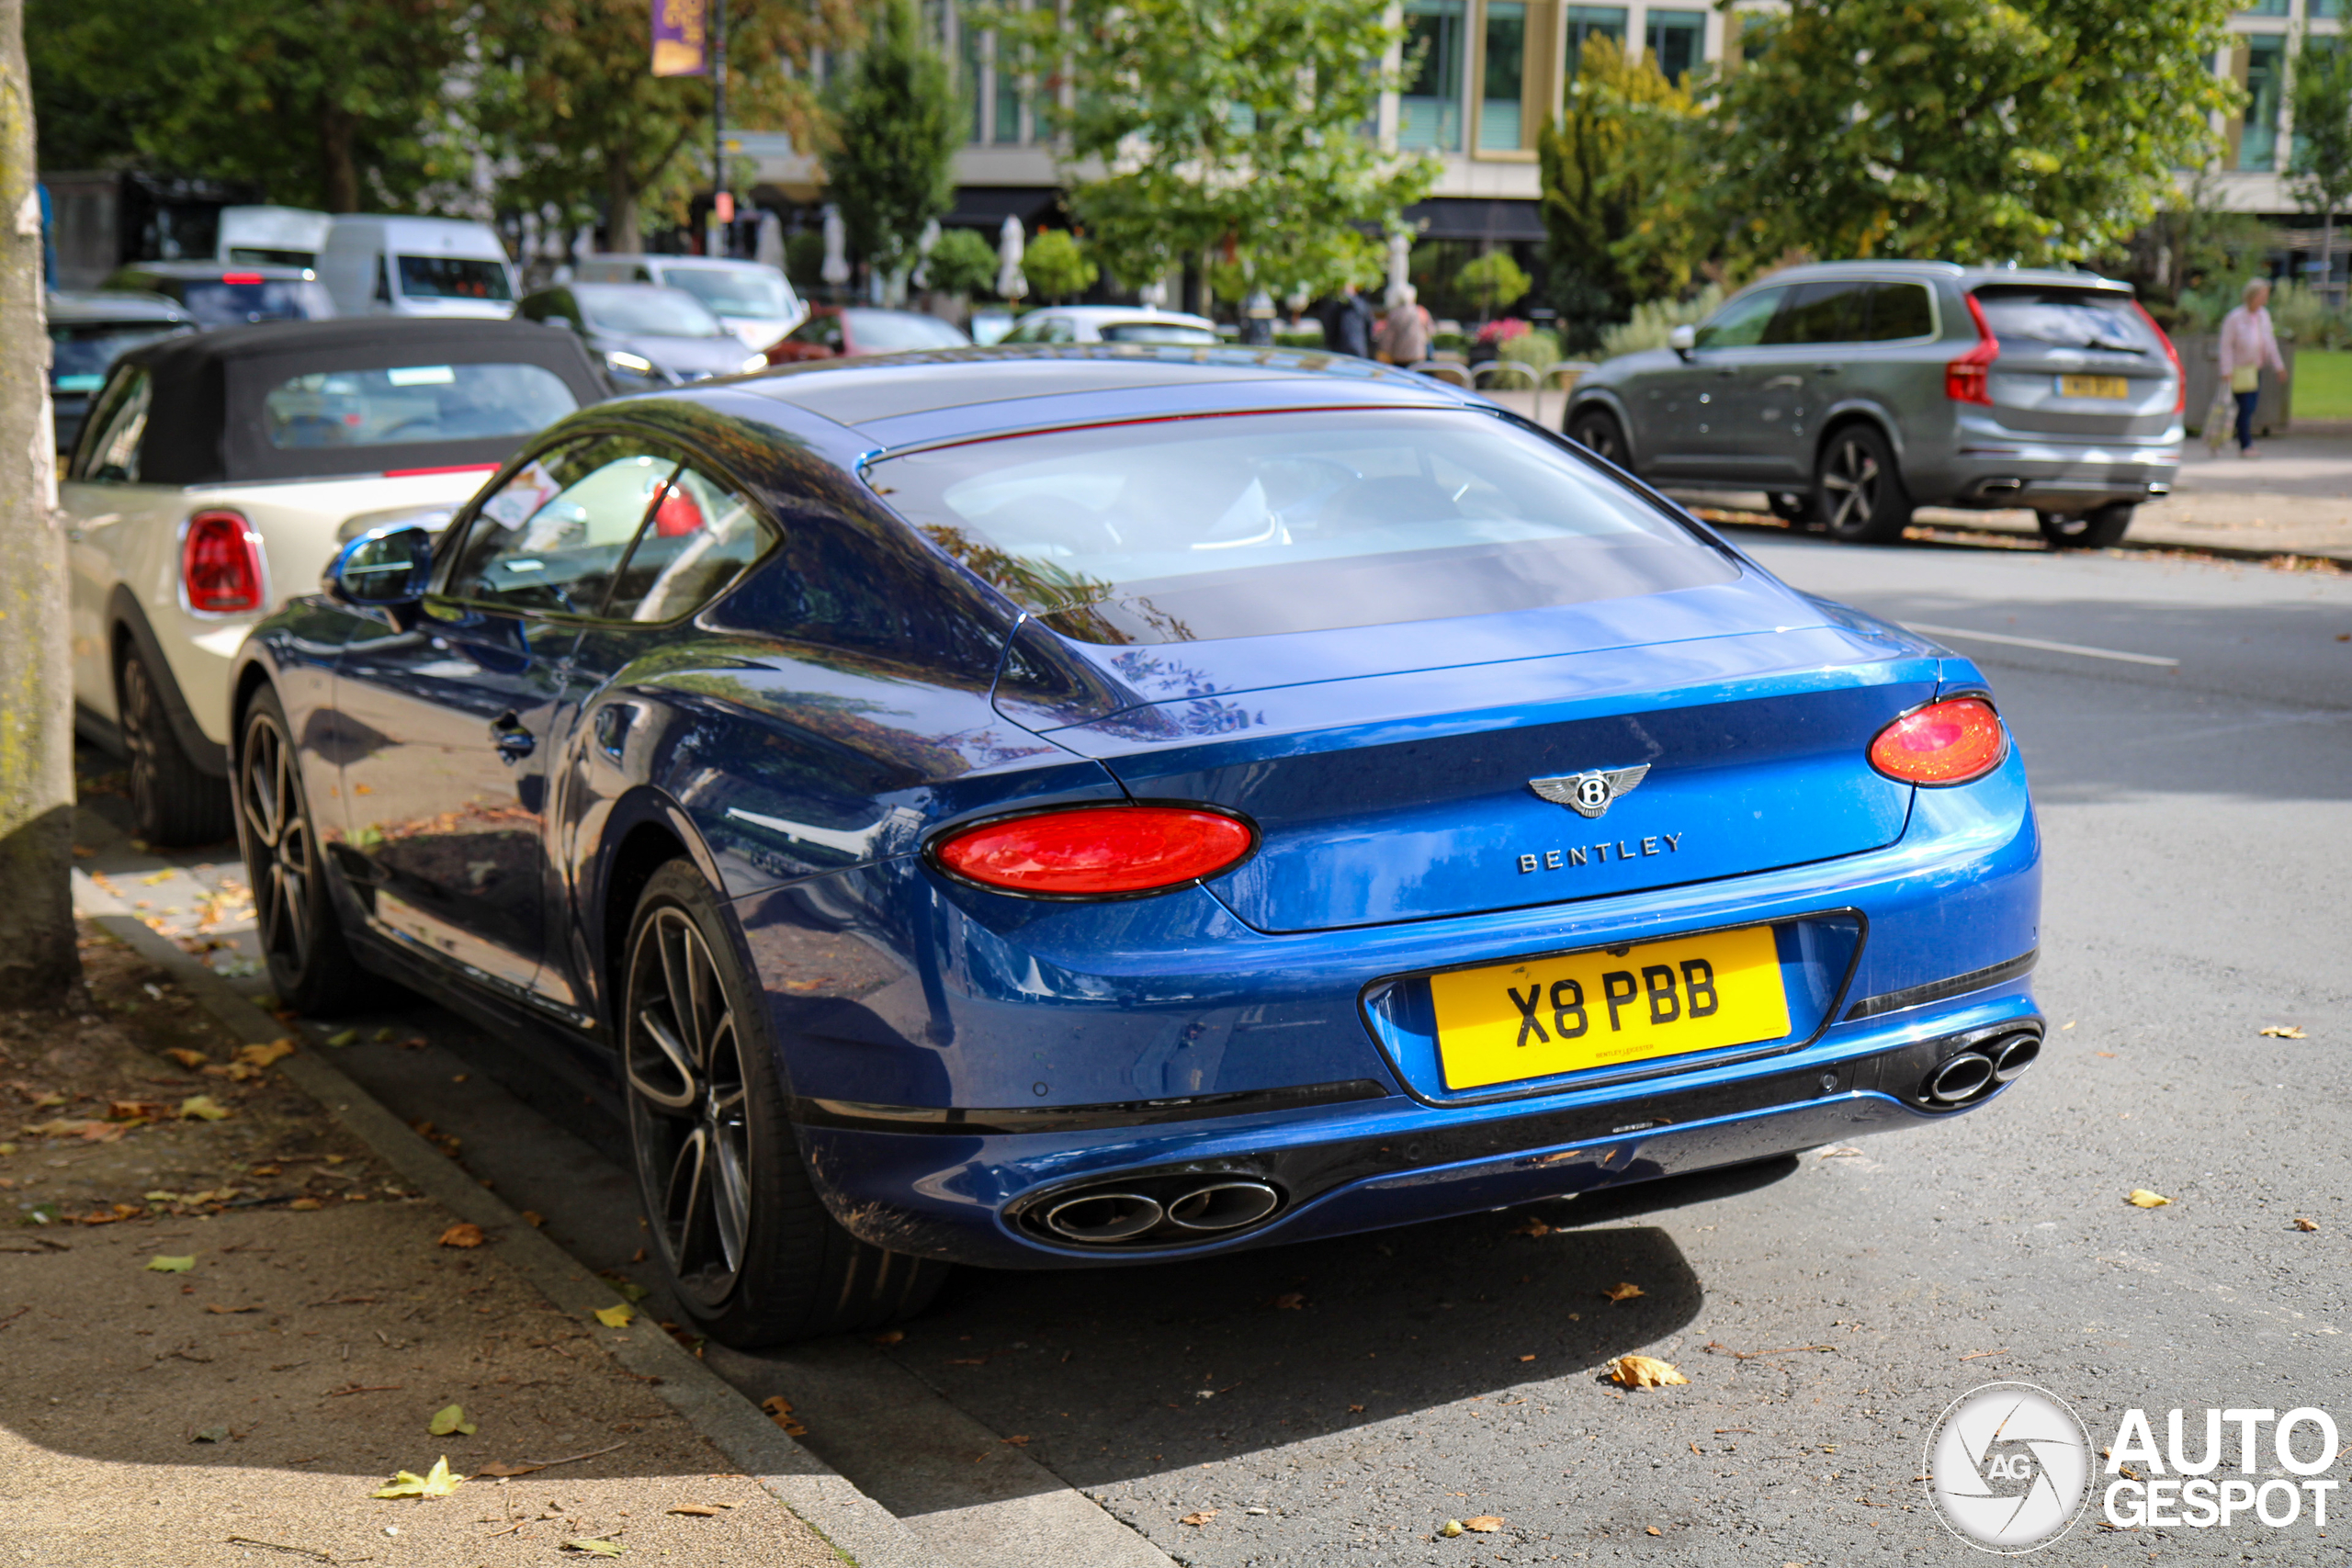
<point>858,1527</point>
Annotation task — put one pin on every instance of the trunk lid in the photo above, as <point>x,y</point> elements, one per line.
<point>2077,363</point>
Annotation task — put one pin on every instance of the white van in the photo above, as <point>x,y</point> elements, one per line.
<point>752,298</point>
<point>416,266</point>
<point>271,236</point>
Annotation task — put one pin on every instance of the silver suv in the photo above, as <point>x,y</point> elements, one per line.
<point>1850,393</point>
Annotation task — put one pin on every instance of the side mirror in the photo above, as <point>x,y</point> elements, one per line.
<point>385,566</point>
<point>1683,339</point>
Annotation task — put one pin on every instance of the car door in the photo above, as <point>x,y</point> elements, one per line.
<point>1801,366</point>
<point>117,531</point>
<point>448,721</point>
<point>1688,411</point>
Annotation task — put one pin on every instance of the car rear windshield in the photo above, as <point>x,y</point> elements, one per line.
<point>2065,318</point>
<point>80,352</point>
<point>1249,524</point>
<point>895,332</point>
<point>229,303</point>
<point>411,404</point>
<point>454,277</point>
<point>731,293</point>
<point>645,307</point>
<point>1158,331</point>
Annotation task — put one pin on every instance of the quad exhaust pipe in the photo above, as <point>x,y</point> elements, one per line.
<point>1972,1075</point>
<point>1173,1210</point>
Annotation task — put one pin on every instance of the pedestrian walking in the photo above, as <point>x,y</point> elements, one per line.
<point>2248,344</point>
<point>1347,328</point>
<point>1404,336</point>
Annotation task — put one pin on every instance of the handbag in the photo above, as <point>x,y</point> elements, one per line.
<point>2245,379</point>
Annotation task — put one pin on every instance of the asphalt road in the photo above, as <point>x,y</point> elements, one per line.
<point>1337,1402</point>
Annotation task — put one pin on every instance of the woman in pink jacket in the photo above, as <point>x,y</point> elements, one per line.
<point>2247,344</point>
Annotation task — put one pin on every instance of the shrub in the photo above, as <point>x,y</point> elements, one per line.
<point>1654,322</point>
<point>962,263</point>
<point>1539,347</point>
<point>1494,280</point>
<point>1056,268</point>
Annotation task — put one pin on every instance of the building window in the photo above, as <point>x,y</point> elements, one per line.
<point>1677,41</point>
<point>1499,122</point>
<point>2267,8</point>
<point>1585,21</point>
<point>2325,9</point>
<point>1430,111</point>
<point>1009,95</point>
<point>2266,59</point>
<point>972,58</point>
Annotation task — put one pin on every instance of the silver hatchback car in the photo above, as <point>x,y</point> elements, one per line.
<point>1850,393</point>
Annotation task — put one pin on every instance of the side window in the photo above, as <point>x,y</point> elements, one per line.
<point>1822,312</point>
<point>1060,329</point>
<point>643,275</point>
<point>118,428</point>
<point>1741,323</point>
<point>550,538</point>
<point>1900,310</point>
<point>699,539</point>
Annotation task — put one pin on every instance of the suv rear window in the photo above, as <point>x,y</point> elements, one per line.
<point>1249,525</point>
<point>2065,318</point>
<point>412,404</point>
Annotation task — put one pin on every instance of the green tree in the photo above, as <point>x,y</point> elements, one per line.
<point>2319,172</point>
<point>1494,280</point>
<point>1620,194</point>
<point>961,263</point>
<point>1232,125</point>
<point>336,104</point>
<point>1056,268</point>
<point>889,138</point>
<point>2039,130</point>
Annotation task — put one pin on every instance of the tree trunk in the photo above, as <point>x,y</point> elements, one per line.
<point>39,965</point>
<point>620,207</point>
<point>2327,255</point>
<point>338,167</point>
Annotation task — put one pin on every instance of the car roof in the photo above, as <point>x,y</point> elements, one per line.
<point>207,268</point>
<point>1967,276</point>
<point>115,305</point>
<point>1107,313</point>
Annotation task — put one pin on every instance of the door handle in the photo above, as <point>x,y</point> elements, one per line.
<point>1726,374</point>
<point>513,742</point>
<point>1824,369</point>
<point>1777,382</point>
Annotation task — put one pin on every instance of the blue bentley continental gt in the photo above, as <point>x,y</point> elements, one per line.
<point>1058,807</point>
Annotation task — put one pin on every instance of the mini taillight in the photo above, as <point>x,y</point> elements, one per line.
<point>220,564</point>
<point>1950,742</point>
<point>2180,381</point>
<point>1968,379</point>
<point>1097,852</point>
<point>241,277</point>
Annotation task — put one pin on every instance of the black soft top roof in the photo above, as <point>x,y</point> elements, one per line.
<point>204,423</point>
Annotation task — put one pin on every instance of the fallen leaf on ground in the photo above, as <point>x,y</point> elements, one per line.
<point>534,1219</point>
<point>696,1510</point>
<point>185,1058</point>
<point>263,1055</point>
<point>1623,1291</point>
<point>1653,1530</point>
<point>306,1203</point>
<point>595,1546</point>
<point>86,1129</point>
<point>2140,1198</point>
<point>2302,1224</point>
<point>1198,1519</point>
<point>1485,1524</point>
<point>2284,1032</point>
<point>779,1411</point>
<point>162,1265</point>
<point>500,1467</point>
<point>1290,1301</point>
<point>204,1106</point>
<point>619,1315</point>
<point>211,1435</point>
<point>235,1072</point>
<point>1021,1441</point>
<point>134,1109</point>
<point>228,1312</point>
<point>1840,1151</point>
<point>1451,1529</point>
<point>451,1418</point>
<point>890,1337</point>
<point>1531,1226</point>
<point>435,1482</point>
<point>348,1037</point>
<point>266,1170</point>
<point>463,1235</point>
<point>1644,1371</point>
<point>1527,1358</point>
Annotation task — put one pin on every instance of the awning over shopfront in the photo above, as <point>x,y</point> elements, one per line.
<point>986,207</point>
<point>1476,218</point>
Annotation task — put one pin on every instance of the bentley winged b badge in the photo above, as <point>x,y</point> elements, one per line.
<point>1589,794</point>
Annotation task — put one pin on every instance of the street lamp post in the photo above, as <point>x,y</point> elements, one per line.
<point>722,200</point>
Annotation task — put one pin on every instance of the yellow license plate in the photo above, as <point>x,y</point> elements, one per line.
<point>2114,387</point>
<point>1509,1021</point>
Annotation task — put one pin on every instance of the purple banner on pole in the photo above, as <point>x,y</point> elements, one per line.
<point>681,37</point>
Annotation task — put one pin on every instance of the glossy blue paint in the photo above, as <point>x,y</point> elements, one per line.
<point>805,735</point>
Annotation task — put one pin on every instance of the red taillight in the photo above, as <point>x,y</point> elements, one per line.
<point>1968,379</point>
<point>241,277</point>
<point>2180,381</point>
<point>1095,851</point>
<point>220,564</point>
<point>444,469</point>
<point>1948,742</point>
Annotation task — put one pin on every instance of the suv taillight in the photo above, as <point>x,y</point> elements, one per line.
<point>1968,379</point>
<point>220,564</point>
<point>2180,381</point>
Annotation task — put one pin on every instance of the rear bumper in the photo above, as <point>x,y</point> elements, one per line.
<point>1994,468</point>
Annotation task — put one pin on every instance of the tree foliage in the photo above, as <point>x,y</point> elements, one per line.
<point>1620,188</point>
<point>888,140</point>
<point>2320,173</point>
<point>2042,130</point>
<point>1495,280</point>
<point>961,263</point>
<point>1225,125</point>
<point>1056,267</point>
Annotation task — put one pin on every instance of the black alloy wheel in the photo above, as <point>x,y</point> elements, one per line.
<point>2092,530</point>
<point>753,1254</point>
<point>311,966</point>
<point>173,803</point>
<point>1597,429</point>
<point>1859,489</point>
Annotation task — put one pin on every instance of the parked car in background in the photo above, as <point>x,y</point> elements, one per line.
<point>958,809</point>
<point>1853,391</point>
<point>217,474</point>
<point>218,295</point>
<point>755,301</point>
<point>1113,323</point>
<point>644,336</point>
<point>273,236</point>
<point>87,333</point>
<point>417,266</point>
<point>832,331</point>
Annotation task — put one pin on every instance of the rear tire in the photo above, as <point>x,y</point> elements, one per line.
<point>1859,488</point>
<point>173,803</point>
<point>2092,530</point>
<point>311,966</point>
<point>1597,431</point>
<point>753,1255</point>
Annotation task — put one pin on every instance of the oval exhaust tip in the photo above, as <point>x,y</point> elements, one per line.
<point>1961,1078</point>
<point>2016,1055</point>
<point>1224,1206</point>
<point>1102,1216</point>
